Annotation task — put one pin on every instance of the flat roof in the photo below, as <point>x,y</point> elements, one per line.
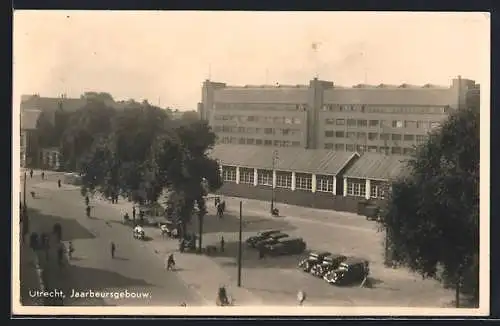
<point>314,161</point>
<point>375,166</point>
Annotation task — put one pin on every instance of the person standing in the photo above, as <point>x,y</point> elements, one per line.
<point>133,212</point>
<point>113,249</point>
<point>31,173</point>
<point>43,175</point>
<point>222,242</point>
<point>59,183</point>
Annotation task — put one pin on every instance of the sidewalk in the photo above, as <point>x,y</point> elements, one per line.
<point>198,272</point>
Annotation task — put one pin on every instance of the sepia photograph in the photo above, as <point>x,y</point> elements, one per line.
<point>250,163</point>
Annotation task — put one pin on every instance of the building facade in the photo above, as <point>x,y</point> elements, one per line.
<point>389,119</point>
<point>312,178</point>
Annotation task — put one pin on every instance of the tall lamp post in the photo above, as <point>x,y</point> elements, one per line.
<point>275,158</point>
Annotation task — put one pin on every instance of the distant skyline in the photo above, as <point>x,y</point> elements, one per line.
<point>165,56</point>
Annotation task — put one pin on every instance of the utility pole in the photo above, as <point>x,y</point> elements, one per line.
<point>274,159</point>
<point>240,244</point>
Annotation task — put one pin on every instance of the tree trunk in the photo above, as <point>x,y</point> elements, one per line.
<point>457,294</point>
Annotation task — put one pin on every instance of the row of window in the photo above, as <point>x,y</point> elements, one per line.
<point>384,109</point>
<point>283,179</point>
<point>257,141</point>
<point>358,189</point>
<point>396,150</point>
<point>253,130</point>
<point>252,118</point>
<point>383,123</point>
<point>260,106</point>
<point>374,136</point>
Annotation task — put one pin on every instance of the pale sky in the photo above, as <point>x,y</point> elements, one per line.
<point>165,56</point>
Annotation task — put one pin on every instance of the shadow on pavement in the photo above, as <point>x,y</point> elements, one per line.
<point>71,229</point>
<point>230,223</point>
<point>250,258</point>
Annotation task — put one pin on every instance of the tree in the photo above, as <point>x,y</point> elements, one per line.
<point>432,219</point>
<point>84,127</point>
<point>190,116</point>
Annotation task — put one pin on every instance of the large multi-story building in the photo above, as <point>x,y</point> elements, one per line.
<point>389,119</point>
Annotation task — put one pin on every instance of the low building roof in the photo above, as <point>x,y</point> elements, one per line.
<point>375,166</point>
<point>300,160</point>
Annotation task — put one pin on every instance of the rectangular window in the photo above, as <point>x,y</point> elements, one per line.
<point>421,139</point>
<point>411,124</point>
<point>250,141</point>
<point>295,144</point>
<point>340,122</point>
<point>268,142</point>
<point>384,136</point>
<point>339,147</point>
<point>265,178</point>
<point>268,131</point>
<point>361,148</point>
<point>229,173</point>
<point>362,123</point>
<point>372,136</point>
<point>385,123</point>
<point>351,135</point>
<point>349,148</point>
<point>372,149</point>
<point>324,183</point>
<point>362,135</point>
<point>250,130</point>
<point>286,143</point>
<point>373,123</point>
<point>384,150</point>
<point>422,124</point>
<point>277,143</point>
<point>241,141</point>
<point>356,188</point>
<point>377,190</point>
<point>328,145</point>
<point>278,120</point>
<point>397,124</point>
<point>303,181</point>
<point>246,176</point>
<point>258,142</point>
<point>330,121</point>
<point>409,137</point>
<point>296,121</point>
<point>396,150</point>
<point>434,125</point>
<point>285,132</point>
<point>329,133</point>
<point>241,129</point>
<point>396,137</point>
<point>339,134</point>
<point>284,180</point>
<point>351,123</point>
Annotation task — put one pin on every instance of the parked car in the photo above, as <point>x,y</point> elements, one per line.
<point>271,239</point>
<point>352,270</point>
<point>314,258</point>
<point>251,241</point>
<point>328,264</point>
<point>285,246</point>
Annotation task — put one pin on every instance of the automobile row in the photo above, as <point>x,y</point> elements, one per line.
<point>335,269</point>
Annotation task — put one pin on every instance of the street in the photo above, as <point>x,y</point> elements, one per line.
<point>139,265</point>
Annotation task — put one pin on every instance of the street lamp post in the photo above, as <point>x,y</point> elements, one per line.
<point>274,160</point>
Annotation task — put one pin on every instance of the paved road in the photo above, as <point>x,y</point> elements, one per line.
<point>137,268</point>
<point>277,280</point>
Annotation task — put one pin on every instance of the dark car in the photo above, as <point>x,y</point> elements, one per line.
<point>328,264</point>
<point>285,246</point>
<point>251,241</point>
<point>271,239</point>
<point>314,258</point>
<point>352,270</point>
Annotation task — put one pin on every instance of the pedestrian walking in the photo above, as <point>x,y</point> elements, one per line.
<point>31,173</point>
<point>71,249</point>
<point>43,175</point>
<point>113,249</point>
<point>59,183</point>
<point>222,242</point>
<point>301,297</point>
<point>133,212</point>
<point>261,253</point>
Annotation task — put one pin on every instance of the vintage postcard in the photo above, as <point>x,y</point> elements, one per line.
<point>251,163</point>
